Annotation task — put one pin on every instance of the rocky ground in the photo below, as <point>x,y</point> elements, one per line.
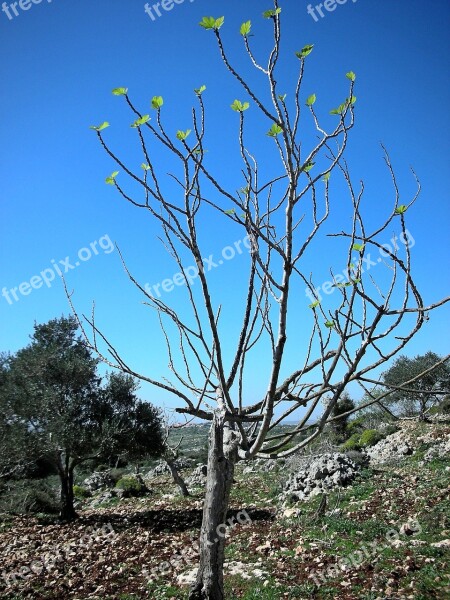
<point>384,535</point>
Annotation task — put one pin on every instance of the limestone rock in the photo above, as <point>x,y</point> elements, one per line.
<point>320,475</point>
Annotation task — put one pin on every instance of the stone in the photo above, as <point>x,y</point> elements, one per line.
<point>99,480</point>
<point>394,447</point>
<point>320,475</point>
<point>161,468</point>
<point>198,477</point>
<point>442,544</point>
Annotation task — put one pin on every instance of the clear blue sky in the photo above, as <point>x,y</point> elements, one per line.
<point>62,58</point>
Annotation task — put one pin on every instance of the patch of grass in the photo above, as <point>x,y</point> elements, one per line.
<point>251,590</point>
<point>429,582</point>
<point>162,591</point>
<point>361,490</point>
<point>109,503</point>
<point>434,520</point>
<point>264,486</point>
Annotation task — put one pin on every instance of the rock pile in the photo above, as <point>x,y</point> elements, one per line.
<point>320,475</point>
<point>264,465</point>
<point>99,480</point>
<point>181,464</point>
<point>198,477</point>
<point>440,450</point>
<point>392,448</point>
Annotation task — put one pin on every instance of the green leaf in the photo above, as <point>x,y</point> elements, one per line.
<point>267,14</point>
<point>212,23</point>
<point>352,100</point>
<point>358,247</point>
<point>199,91</point>
<point>326,177</point>
<point>239,106</point>
<point>182,135</point>
<point>145,167</point>
<point>274,130</point>
<point>282,97</point>
<point>219,22</point>
<point>347,284</point>
<point>310,100</point>
<point>350,75</point>
<point>141,121</point>
<point>308,166</point>
<point>314,304</point>
<point>340,109</point>
<point>111,179</point>
<point>329,324</point>
<point>208,22</point>
<point>305,51</point>
<point>101,127</point>
<point>231,211</point>
<point>246,28</point>
<point>120,91</point>
<point>157,102</point>
<point>401,209</point>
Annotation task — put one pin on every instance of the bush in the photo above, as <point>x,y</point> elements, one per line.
<point>132,486</point>
<point>355,426</point>
<point>80,492</point>
<point>358,441</point>
<point>29,496</point>
<point>369,437</point>
<point>352,443</point>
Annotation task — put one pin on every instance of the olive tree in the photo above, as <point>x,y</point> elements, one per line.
<point>340,339</point>
<point>55,407</point>
<point>428,388</point>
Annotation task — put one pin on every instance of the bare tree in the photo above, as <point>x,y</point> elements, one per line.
<point>170,456</point>
<point>345,337</point>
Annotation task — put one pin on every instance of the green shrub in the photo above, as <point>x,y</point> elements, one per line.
<point>29,496</point>
<point>369,437</point>
<point>80,492</point>
<point>352,443</point>
<point>359,441</point>
<point>132,486</point>
<point>355,426</point>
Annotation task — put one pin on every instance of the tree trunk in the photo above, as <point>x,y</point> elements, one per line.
<point>222,456</point>
<point>423,410</point>
<point>67,510</point>
<point>177,477</point>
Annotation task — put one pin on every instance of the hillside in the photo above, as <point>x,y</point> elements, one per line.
<point>387,535</point>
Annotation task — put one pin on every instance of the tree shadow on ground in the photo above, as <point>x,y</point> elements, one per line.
<point>166,520</point>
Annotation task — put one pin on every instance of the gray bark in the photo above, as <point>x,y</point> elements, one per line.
<point>222,458</point>
<point>177,477</point>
